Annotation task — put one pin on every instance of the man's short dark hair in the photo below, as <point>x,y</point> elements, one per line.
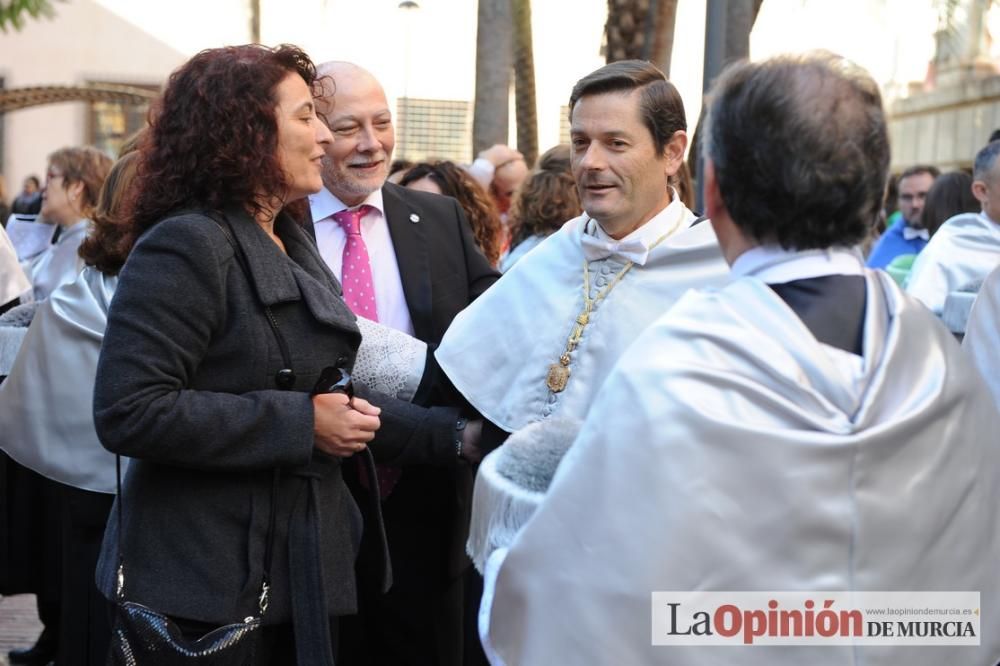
<point>986,159</point>
<point>800,149</point>
<point>660,106</point>
<point>918,169</point>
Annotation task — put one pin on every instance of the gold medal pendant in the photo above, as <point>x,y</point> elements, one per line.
<point>557,378</point>
<point>558,375</point>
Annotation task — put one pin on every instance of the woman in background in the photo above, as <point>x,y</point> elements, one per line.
<point>449,179</point>
<point>73,179</point>
<point>546,200</point>
<point>950,195</point>
<point>46,413</point>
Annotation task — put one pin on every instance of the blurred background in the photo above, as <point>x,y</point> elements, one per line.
<point>462,75</point>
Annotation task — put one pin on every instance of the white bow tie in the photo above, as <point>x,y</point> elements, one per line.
<point>595,249</point>
<point>909,233</point>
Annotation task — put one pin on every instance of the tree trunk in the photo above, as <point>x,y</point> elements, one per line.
<point>623,30</point>
<point>727,39</point>
<point>255,21</point>
<point>641,29</point>
<point>494,56</point>
<point>662,45</point>
<point>524,82</point>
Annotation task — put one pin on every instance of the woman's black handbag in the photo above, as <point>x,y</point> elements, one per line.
<point>142,636</point>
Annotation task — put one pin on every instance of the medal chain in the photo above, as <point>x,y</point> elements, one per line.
<point>559,372</point>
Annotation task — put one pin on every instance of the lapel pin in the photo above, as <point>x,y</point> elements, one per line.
<point>414,218</point>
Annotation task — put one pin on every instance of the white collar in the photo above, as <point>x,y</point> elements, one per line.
<point>323,204</point>
<point>78,227</point>
<point>635,247</point>
<point>775,265</point>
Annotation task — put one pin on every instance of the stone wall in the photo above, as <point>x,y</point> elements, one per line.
<point>944,127</point>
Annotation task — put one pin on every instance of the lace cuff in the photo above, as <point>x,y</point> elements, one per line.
<point>389,361</point>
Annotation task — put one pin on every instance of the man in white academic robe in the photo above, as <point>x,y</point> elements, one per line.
<point>966,247</point>
<point>542,340</point>
<point>807,428</point>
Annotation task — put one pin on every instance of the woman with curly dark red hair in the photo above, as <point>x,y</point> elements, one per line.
<point>224,318</point>
<point>546,200</point>
<point>449,179</point>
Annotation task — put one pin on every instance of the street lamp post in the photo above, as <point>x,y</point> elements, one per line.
<point>408,7</point>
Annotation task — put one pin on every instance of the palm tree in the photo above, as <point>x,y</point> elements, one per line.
<point>524,82</point>
<point>494,59</point>
<point>641,29</point>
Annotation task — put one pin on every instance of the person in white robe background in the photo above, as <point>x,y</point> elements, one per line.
<point>966,247</point>
<point>13,281</point>
<point>982,334</point>
<point>808,427</point>
<point>46,415</point>
<point>73,180</point>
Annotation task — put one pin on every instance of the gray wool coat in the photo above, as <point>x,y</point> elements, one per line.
<point>185,387</point>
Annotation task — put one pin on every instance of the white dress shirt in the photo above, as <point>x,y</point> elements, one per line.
<point>775,265</point>
<point>635,247</point>
<point>331,239</point>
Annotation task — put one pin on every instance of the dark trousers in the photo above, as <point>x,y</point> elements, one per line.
<point>31,536</point>
<point>84,631</point>
<point>52,537</point>
<point>474,654</point>
<point>418,622</point>
<point>389,630</point>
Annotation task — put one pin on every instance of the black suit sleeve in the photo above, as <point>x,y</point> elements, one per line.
<point>410,434</point>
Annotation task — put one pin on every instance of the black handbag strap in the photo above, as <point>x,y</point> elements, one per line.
<point>284,380</point>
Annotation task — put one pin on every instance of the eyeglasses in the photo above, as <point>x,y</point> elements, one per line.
<point>52,175</point>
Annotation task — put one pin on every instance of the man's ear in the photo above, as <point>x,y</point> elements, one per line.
<point>715,207</point>
<point>732,240</point>
<point>979,190</point>
<point>674,152</point>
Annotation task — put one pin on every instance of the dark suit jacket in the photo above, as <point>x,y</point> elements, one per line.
<point>185,387</point>
<point>442,271</point>
<point>832,307</point>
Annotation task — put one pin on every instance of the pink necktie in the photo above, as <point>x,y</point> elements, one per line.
<point>356,274</point>
<point>359,294</point>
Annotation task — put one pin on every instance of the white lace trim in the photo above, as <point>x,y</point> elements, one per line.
<point>389,361</point>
